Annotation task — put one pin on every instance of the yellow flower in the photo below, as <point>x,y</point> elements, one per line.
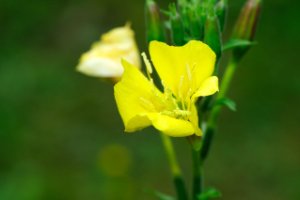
<point>186,74</point>
<point>104,58</point>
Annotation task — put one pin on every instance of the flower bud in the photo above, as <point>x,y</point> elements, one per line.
<point>245,26</point>
<point>221,12</point>
<point>154,27</point>
<point>182,3</point>
<point>212,35</point>
<point>204,8</point>
<point>195,26</point>
<point>177,28</point>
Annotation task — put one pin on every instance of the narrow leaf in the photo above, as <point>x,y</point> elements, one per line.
<point>159,195</point>
<point>209,194</point>
<point>162,196</point>
<point>236,43</point>
<point>226,102</point>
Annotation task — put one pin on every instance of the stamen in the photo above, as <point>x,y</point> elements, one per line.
<point>168,113</point>
<point>147,104</point>
<point>148,67</point>
<point>182,113</point>
<point>179,114</point>
<point>147,63</point>
<point>180,90</point>
<point>180,85</point>
<point>163,84</point>
<point>194,78</point>
<point>193,67</point>
<point>188,100</point>
<point>188,71</point>
<point>169,99</point>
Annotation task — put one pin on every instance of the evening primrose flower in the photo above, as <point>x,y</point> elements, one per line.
<point>186,74</point>
<point>104,57</point>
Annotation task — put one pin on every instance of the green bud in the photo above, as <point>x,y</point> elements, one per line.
<point>204,9</point>
<point>154,27</point>
<point>212,2</point>
<point>177,29</point>
<point>194,25</point>
<point>212,34</point>
<point>221,11</point>
<point>191,20</point>
<point>207,3</point>
<point>182,3</point>
<point>246,24</point>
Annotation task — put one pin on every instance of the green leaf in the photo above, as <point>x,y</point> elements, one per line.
<point>226,102</point>
<point>162,196</point>
<point>159,195</point>
<point>235,43</point>
<point>210,193</point>
<point>165,12</point>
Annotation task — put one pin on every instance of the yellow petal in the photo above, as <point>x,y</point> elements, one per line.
<point>208,87</point>
<point>118,34</point>
<point>100,67</point>
<point>171,126</point>
<point>138,122</point>
<point>135,97</point>
<point>104,57</point>
<point>194,120</point>
<point>182,68</point>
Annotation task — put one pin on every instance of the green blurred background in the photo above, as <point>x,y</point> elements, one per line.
<point>61,137</point>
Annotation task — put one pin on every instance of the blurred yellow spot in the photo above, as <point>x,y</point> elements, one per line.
<point>115,160</point>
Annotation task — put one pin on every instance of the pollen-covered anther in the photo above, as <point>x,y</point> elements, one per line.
<point>188,71</point>
<point>148,66</point>
<point>179,114</point>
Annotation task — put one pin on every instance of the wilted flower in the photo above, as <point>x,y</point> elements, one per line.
<point>186,75</point>
<point>104,57</point>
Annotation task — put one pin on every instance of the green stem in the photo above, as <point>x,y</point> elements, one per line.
<point>175,169</point>
<point>213,117</point>
<point>197,175</point>
<point>227,77</point>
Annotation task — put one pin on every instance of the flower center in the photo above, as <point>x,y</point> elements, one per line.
<point>169,104</point>
<point>174,107</point>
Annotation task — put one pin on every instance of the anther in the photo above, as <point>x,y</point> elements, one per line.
<point>147,63</point>
<point>188,71</point>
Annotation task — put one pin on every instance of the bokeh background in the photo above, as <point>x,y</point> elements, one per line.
<point>61,137</point>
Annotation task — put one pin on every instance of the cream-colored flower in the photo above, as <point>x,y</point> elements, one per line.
<point>104,57</point>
